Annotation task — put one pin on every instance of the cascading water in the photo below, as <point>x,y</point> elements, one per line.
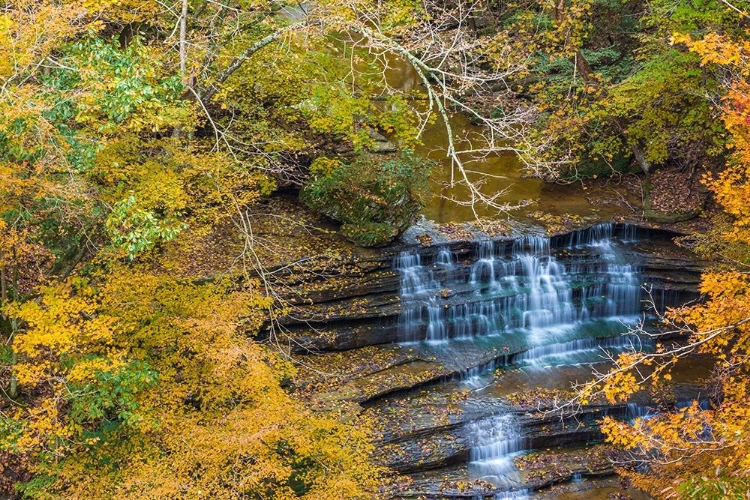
<point>640,411</point>
<point>496,442</point>
<point>522,285</point>
<point>445,257</point>
<point>556,297</point>
<point>543,354</point>
<point>418,290</point>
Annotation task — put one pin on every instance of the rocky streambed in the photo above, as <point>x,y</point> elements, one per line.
<point>457,350</point>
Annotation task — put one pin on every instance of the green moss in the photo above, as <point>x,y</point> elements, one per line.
<point>374,200</point>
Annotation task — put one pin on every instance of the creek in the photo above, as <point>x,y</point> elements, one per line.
<point>446,347</point>
<point>514,316</point>
<point>442,343</point>
<point>551,318</point>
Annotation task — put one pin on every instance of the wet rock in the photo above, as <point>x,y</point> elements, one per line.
<point>539,471</point>
<point>426,397</point>
<point>420,231</point>
<point>545,468</point>
<point>365,310</point>
<point>444,445</point>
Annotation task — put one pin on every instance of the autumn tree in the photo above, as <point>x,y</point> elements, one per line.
<point>125,373</point>
<point>697,452</point>
<point>610,92</point>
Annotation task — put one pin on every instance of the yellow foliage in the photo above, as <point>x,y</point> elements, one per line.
<point>31,29</point>
<point>61,324</point>
<point>218,423</point>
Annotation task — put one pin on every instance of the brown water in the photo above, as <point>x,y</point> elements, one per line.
<point>504,173</point>
<point>601,201</point>
<point>505,169</point>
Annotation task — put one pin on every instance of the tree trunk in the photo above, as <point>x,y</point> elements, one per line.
<point>640,158</point>
<point>583,68</point>
<point>127,34</point>
<point>13,387</point>
<point>3,285</point>
<point>183,43</point>
<point>580,63</point>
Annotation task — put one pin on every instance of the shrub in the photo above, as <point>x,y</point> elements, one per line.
<point>374,200</point>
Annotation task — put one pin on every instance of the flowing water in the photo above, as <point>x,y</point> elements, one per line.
<point>567,301</point>
<point>519,286</point>
<point>498,442</point>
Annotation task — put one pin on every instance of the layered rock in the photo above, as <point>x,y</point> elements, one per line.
<point>359,327</point>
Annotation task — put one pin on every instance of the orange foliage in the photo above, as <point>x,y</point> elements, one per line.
<point>694,452</point>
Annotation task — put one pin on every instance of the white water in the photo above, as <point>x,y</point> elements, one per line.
<point>418,290</point>
<point>544,355</point>
<point>497,442</point>
<point>520,286</point>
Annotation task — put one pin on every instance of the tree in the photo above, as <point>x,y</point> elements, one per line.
<point>694,452</point>
<point>117,360</point>
<point>601,87</point>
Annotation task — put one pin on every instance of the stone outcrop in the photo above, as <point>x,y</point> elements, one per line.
<point>344,328</point>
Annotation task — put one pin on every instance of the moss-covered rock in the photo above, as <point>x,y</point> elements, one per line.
<point>374,200</point>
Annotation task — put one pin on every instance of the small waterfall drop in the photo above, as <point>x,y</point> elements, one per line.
<point>419,291</point>
<point>634,410</point>
<point>565,352</point>
<point>497,442</point>
<point>445,257</point>
<point>519,285</point>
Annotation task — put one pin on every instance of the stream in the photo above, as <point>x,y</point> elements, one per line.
<point>514,316</point>
<point>444,347</point>
<point>440,344</point>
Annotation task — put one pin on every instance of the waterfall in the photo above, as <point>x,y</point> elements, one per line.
<point>517,494</point>
<point>703,403</point>
<point>556,300</point>
<point>495,443</point>
<point>520,285</point>
<point>416,280</point>
<point>639,411</point>
<point>535,302</point>
<point>445,257</point>
<point>477,376</point>
<point>417,290</point>
<point>483,271</point>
